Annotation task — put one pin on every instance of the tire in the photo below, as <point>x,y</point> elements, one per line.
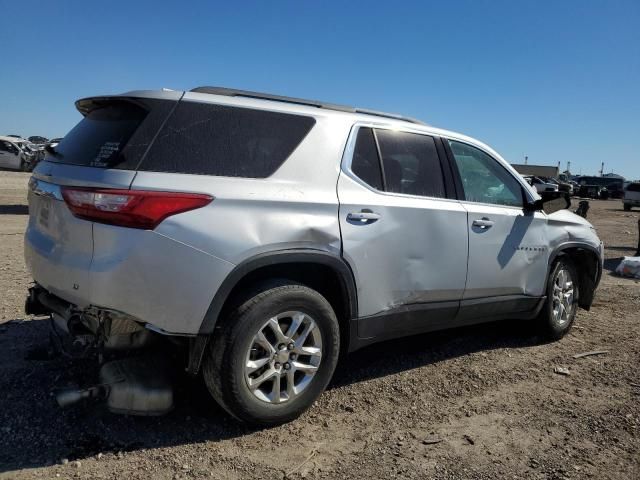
<point>627,207</point>
<point>235,351</point>
<point>556,317</point>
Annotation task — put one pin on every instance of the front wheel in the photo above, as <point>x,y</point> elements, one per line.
<point>274,355</point>
<point>560,308</point>
<point>627,207</point>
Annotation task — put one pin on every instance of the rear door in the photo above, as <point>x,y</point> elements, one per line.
<point>508,254</point>
<point>103,150</point>
<point>405,241</point>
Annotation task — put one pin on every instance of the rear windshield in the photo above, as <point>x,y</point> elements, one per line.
<point>209,139</point>
<point>99,139</point>
<point>114,134</point>
<point>633,187</point>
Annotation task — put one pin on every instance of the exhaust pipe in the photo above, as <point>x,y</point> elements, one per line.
<point>131,386</point>
<point>71,396</point>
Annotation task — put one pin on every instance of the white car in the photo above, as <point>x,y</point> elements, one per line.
<point>631,196</point>
<point>11,155</point>
<point>540,185</point>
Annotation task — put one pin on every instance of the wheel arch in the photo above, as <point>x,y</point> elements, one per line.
<point>325,272</point>
<point>586,259</point>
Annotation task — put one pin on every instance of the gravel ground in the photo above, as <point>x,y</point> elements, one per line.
<point>479,402</point>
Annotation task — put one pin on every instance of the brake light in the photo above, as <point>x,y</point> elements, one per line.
<point>143,209</point>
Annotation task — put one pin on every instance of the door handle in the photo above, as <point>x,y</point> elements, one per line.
<point>484,223</point>
<point>363,217</point>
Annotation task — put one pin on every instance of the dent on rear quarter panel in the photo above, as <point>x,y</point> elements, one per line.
<point>295,207</point>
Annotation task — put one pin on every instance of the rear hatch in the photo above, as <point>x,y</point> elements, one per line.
<point>103,150</point>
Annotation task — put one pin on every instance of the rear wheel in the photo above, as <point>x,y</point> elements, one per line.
<point>627,207</point>
<point>274,355</point>
<point>561,306</point>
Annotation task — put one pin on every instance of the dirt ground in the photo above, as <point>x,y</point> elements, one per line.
<point>480,402</point>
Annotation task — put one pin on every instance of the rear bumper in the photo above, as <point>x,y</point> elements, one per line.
<point>634,202</point>
<point>140,273</point>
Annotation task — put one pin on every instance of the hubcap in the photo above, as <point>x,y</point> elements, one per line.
<point>283,357</point>
<point>562,296</point>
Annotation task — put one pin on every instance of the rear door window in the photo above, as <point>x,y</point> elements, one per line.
<point>411,163</point>
<point>366,164</point>
<point>209,139</point>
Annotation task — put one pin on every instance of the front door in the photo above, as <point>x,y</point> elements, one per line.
<point>508,254</point>
<point>404,240</point>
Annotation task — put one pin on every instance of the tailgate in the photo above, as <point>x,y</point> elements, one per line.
<point>59,246</point>
<point>102,150</point>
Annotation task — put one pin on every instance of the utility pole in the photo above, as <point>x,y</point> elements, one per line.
<point>526,159</point>
<point>568,167</point>
<point>602,169</point>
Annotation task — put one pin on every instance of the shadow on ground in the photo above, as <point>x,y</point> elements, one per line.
<point>14,210</point>
<point>35,432</point>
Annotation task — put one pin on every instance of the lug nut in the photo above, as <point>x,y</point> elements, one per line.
<point>276,365</point>
<point>292,357</point>
<point>281,346</point>
<point>287,366</point>
<point>291,346</point>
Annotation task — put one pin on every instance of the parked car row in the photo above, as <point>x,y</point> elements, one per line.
<point>544,184</point>
<point>19,153</point>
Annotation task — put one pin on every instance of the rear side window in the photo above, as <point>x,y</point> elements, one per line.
<point>365,163</point>
<point>114,134</point>
<point>633,187</point>
<point>206,139</point>
<point>411,163</point>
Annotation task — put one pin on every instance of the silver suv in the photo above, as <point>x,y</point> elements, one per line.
<point>267,235</point>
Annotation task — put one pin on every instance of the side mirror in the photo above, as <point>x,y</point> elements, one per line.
<point>535,206</point>
<point>550,202</point>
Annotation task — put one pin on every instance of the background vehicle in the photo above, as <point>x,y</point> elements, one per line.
<point>541,185</point>
<point>11,156</point>
<point>37,140</point>
<point>631,196</point>
<point>590,191</point>
<point>54,141</point>
<point>562,186</point>
<point>265,235</point>
<point>608,186</point>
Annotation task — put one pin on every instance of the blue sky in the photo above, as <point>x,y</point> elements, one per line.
<point>556,80</point>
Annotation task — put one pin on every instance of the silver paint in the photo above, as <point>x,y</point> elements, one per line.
<point>407,250</point>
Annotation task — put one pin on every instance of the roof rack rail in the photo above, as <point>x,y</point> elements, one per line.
<point>231,92</point>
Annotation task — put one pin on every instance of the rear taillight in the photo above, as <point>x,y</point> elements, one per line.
<point>130,208</point>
